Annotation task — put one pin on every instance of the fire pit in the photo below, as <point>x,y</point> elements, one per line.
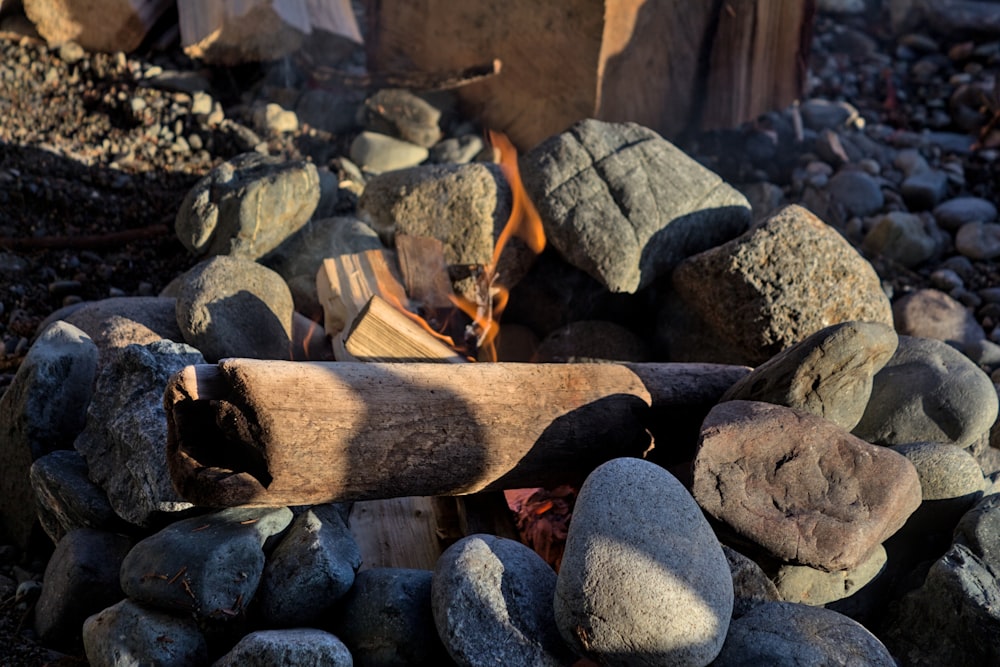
<point>405,397</point>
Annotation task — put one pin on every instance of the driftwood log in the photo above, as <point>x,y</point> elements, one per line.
<point>251,432</point>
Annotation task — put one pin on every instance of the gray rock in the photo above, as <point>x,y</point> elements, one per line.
<point>623,204</point>
<point>751,587</point>
<point>828,374</point>
<point>301,646</point>
<point>124,442</point>
<point>247,205</point>
<point>377,153</point>
<point>271,119</point>
<point>819,114</point>
<point>928,391</point>
<point>386,619</point>
<point>492,604</point>
<point>463,206</point>
<point>457,150</point>
<point>800,486</point>
<point>592,341</point>
<point>233,307</point>
<point>784,634</point>
<point>210,565</point>
<point>115,323</point>
<point>65,497</point>
<point>303,253</point>
<point>128,634</point>
<point>643,580</point>
<point>954,213</point>
<point>81,579</point>
<point>951,481</point>
<point>929,313</point>
<point>979,240</point>
<point>45,406</point>
<point>759,292</point>
<point>311,568</point>
<point>857,192</point>
<point>814,587</point>
<point>924,189</point>
<point>902,238</point>
<point>400,113</point>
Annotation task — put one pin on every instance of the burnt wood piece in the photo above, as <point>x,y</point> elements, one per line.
<point>252,432</point>
<point>96,25</point>
<point>647,61</point>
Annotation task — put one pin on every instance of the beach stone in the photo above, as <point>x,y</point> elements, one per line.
<point>210,565</point>
<point>951,481</point>
<point>233,307</point>
<point>930,313</point>
<point>954,213</point>
<point>303,252</point>
<point>300,646</point>
<point>81,579</point>
<point>492,603</point>
<point>592,341</point>
<point>115,323</point>
<point>800,486</point>
<point>386,619</point>
<point>247,205</point>
<point>45,406</point>
<point>829,374</point>
<point>819,114</point>
<point>924,189</point>
<point>901,237</point>
<point>979,240</point>
<point>459,150</point>
<point>760,292</point>
<point>785,634</point>
<point>377,153</point>
<point>643,580</point>
<point>857,192</point>
<point>402,114</point>
<point>129,634</point>
<point>463,206</point>
<point>66,499</point>
<point>815,587</point>
<point>271,119</point>
<point>624,205</point>
<point>124,441</point>
<point>751,586</point>
<point>309,570</point>
<point>928,391</point>
<point>954,617</point>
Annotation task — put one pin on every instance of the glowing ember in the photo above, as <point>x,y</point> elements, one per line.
<point>525,224</point>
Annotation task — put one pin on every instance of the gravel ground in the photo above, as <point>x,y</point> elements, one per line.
<point>96,155</point>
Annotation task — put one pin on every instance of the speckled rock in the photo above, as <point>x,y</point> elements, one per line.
<point>643,580</point>
<point>760,292</point>
<point>592,341</point>
<point>901,237</point>
<point>129,634</point>
<point>812,586</point>
<point>751,587</point>
<point>300,646</point>
<point>930,313</point>
<point>951,481</point>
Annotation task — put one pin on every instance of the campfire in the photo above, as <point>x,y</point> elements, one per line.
<point>501,374</point>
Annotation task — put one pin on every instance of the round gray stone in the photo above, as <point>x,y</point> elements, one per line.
<point>929,313</point>
<point>857,192</point>
<point>643,580</point>
<point>128,634</point>
<point>301,646</point>
<point>492,604</point>
<point>901,237</point>
<point>231,307</point>
<point>954,213</point>
<point>979,240</point>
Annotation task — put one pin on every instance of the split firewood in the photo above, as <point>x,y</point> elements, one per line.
<point>251,432</point>
<point>383,332</point>
<point>617,60</point>
<point>229,32</point>
<point>346,283</point>
<point>96,25</point>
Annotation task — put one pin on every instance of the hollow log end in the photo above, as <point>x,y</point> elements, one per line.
<point>208,486</point>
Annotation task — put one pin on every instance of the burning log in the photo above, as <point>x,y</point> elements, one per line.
<point>618,60</point>
<point>96,25</point>
<point>228,32</point>
<point>250,432</point>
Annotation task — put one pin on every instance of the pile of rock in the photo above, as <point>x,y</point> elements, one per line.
<point>836,468</point>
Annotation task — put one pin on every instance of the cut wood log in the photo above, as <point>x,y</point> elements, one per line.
<point>96,25</point>
<point>229,32</point>
<point>382,332</point>
<point>251,432</point>
<point>346,283</point>
<point>620,60</point>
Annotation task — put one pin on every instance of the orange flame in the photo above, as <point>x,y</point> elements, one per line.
<point>524,223</point>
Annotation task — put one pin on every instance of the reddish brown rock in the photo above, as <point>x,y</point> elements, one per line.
<point>800,486</point>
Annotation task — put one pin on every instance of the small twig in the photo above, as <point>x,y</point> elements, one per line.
<point>86,241</point>
<point>414,80</point>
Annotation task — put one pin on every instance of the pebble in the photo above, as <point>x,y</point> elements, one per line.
<point>458,150</point>
<point>402,114</point>
<point>901,237</point>
<point>65,497</point>
<point>979,240</point>
<point>271,119</point>
<point>643,578</point>
<point>377,153</point>
<point>777,477</point>
<point>930,313</point>
<point>859,193</point>
<point>129,634</point>
<point>492,604</point>
<point>925,189</point>
<point>928,391</point>
<point>814,587</point>
<point>954,213</point>
<point>951,481</point>
<point>300,646</point>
